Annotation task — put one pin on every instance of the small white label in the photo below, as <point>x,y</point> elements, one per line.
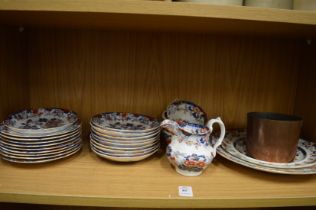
<point>185,191</point>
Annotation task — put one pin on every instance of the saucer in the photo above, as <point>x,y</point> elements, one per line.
<point>125,122</point>
<point>121,158</point>
<point>233,148</point>
<point>186,111</point>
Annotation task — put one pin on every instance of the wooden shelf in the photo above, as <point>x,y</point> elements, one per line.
<point>228,75</point>
<point>158,15</point>
<point>87,180</point>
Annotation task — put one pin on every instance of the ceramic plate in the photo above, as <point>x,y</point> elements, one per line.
<point>122,136</point>
<point>39,145</point>
<point>126,144</point>
<point>186,111</point>
<point>121,158</point>
<point>38,141</point>
<point>119,121</point>
<point>42,120</point>
<point>39,156</point>
<point>122,141</point>
<point>235,144</point>
<point>144,149</point>
<point>44,160</point>
<point>6,133</point>
<point>234,155</point>
<point>43,150</point>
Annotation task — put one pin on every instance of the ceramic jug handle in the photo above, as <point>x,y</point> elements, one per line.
<point>221,137</point>
<point>171,126</point>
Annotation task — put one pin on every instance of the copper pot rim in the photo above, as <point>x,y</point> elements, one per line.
<point>274,116</point>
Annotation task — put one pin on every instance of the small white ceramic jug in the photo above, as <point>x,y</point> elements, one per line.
<point>190,150</point>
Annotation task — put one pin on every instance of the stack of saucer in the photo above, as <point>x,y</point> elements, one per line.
<point>124,137</point>
<point>40,135</point>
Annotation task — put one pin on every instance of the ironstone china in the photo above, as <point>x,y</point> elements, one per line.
<point>124,137</point>
<point>40,135</point>
<point>182,110</point>
<point>234,149</point>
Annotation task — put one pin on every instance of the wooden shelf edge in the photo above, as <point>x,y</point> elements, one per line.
<point>164,9</point>
<point>69,190</point>
<point>158,15</point>
<point>155,203</point>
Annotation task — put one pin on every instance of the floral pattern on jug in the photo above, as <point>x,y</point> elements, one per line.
<point>190,151</point>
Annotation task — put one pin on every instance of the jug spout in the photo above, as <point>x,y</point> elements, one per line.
<point>171,126</point>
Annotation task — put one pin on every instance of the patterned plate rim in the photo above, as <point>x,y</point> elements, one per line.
<point>12,160</point>
<point>152,119</point>
<point>41,130</point>
<point>73,128</point>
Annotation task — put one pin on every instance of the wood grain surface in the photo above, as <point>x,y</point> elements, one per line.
<point>155,15</point>
<point>99,71</point>
<point>92,71</point>
<point>14,88</point>
<point>86,180</point>
<point>306,93</point>
<point>18,206</point>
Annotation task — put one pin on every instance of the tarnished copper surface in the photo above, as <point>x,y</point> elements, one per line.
<point>273,137</point>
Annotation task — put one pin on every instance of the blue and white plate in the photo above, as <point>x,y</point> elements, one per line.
<point>40,121</point>
<point>185,111</point>
<point>125,122</point>
<point>42,135</point>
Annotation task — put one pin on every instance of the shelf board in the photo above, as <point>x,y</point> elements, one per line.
<point>88,180</point>
<point>158,15</point>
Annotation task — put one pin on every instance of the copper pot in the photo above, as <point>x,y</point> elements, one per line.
<point>273,137</point>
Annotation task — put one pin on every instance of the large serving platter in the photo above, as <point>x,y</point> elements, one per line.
<point>233,148</point>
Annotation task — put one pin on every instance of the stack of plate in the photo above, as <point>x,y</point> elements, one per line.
<point>234,149</point>
<point>124,137</point>
<point>40,135</point>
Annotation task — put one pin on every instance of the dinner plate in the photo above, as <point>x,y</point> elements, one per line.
<point>42,150</point>
<point>44,160</point>
<point>6,133</point>
<point>38,156</point>
<point>40,145</point>
<point>39,141</point>
<point>40,121</point>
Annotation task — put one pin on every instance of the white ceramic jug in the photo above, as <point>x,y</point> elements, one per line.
<point>190,150</point>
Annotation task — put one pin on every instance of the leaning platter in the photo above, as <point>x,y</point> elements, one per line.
<point>233,148</point>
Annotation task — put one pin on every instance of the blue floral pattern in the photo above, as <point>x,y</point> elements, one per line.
<point>192,162</point>
<point>190,112</point>
<point>42,118</point>
<point>125,121</point>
